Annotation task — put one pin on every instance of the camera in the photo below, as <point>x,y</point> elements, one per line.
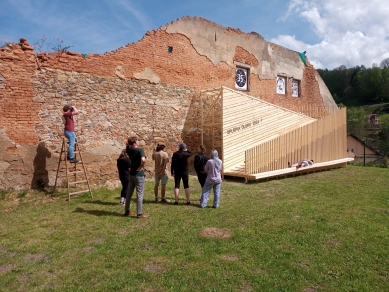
<point>71,109</point>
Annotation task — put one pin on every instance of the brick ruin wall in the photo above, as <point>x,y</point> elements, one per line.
<point>138,89</point>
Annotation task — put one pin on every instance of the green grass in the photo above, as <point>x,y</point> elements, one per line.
<point>383,117</point>
<point>327,231</point>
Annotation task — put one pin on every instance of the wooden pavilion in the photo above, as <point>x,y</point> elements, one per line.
<point>257,139</point>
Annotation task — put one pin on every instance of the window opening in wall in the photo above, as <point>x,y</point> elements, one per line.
<point>170,49</point>
<point>241,78</point>
<point>295,88</point>
<point>2,83</point>
<point>281,85</point>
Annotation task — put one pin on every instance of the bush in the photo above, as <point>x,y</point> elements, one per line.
<point>385,162</point>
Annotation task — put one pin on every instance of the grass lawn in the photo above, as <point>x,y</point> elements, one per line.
<point>327,231</point>
<point>383,117</point>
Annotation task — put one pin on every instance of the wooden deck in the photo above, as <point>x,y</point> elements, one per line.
<point>289,171</point>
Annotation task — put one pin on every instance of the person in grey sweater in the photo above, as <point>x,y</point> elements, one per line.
<point>213,168</point>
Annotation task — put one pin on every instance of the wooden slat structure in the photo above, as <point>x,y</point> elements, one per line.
<point>256,138</point>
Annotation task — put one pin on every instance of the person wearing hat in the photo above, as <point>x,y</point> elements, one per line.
<point>180,171</point>
<point>161,159</point>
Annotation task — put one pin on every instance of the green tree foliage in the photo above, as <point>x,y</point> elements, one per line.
<point>358,85</point>
<point>356,122</point>
<point>384,138</point>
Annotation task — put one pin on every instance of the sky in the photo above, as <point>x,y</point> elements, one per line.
<point>332,32</point>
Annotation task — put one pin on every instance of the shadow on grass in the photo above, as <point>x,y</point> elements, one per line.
<point>98,212</point>
<point>99,202</point>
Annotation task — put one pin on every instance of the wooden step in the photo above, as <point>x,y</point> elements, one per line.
<point>78,192</point>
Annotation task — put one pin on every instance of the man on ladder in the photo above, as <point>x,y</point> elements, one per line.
<point>72,179</point>
<point>68,113</point>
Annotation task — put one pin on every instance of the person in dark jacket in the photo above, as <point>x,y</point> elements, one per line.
<point>124,166</point>
<point>179,170</point>
<point>199,162</point>
<point>137,176</point>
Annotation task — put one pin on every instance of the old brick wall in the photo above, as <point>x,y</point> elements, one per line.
<point>149,59</point>
<point>110,110</point>
<point>140,88</point>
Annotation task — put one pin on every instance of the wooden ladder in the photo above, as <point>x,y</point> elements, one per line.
<point>71,170</point>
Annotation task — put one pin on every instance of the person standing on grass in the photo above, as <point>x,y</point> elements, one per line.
<point>124,167</point>
<point>137,176</point>
<point>213,181</point>
<point>179,169</point>
<point>161,159</point>
<point>199,162</point>
<point>68,113</point>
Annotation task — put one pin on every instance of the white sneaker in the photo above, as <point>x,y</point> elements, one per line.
<point>122,200</point>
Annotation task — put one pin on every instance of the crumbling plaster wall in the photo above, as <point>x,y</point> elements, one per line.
<point>204,55</point>
<point>218,43</point>
<point>140,89</point>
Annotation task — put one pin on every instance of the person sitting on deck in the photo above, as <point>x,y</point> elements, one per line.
<point>303,163</point>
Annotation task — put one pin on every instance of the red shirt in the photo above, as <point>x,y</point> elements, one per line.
<point>69,122</point>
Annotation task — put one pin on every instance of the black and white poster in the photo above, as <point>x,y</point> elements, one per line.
<point>281,84</point>
<point>295,88</point>
<point>241,79</point>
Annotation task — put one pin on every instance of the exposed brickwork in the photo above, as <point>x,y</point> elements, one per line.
<point>19,110</point>
<point>245,57</point>
<point>138,89</point>
<point>183,67</point>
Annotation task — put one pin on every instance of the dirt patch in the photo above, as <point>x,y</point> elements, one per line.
<point>87,249</point>
<point>30,257</point>
<point>6,268</point>
<point>246,287</point>
<point>270,195</point>
<point>127,230</point>
<point>24,278</point>
<point>5,253</point>
<point>333,242</point>
<point>310,289</point>
<point>148,247</point>
<point>214,232</point>
<point>156,265</point>
<point>154,268</point>
<point>260,272</point>
<point>302,265</point>
<point>230,257</point>
<point>383,210</point>
<point>98,240</point>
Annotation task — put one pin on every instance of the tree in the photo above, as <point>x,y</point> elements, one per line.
<point>384,63</point>
<point>384,138</point>
<point>357,123</point>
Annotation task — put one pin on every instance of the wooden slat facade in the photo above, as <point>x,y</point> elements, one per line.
<point>256,137</point>
<point>323,140</point>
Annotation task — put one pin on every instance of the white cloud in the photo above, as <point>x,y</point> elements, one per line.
<point>139,15</point>
<point>351,32</point>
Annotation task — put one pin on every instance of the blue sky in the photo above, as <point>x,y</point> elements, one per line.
<point>333,32</point>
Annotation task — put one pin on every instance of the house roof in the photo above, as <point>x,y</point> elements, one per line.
<point>362,142</point>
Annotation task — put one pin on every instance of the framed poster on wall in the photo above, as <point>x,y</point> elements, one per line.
<point>295,88</point>
<point>281,84</point>
<point>241,79</point>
